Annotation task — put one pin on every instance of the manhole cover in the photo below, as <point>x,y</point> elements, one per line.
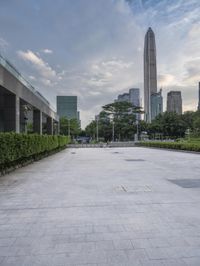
<point>186,183</point>
<point>115,152</point>
<point>134,160</point>
<point>73,153</point>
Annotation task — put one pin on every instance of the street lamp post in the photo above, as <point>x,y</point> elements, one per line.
<point>137,123</point>
<point>137,128</point>
<point>97,128</point>
<point>68,127</point>
<point>113,131</point>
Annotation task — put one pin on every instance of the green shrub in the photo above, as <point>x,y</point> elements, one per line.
<point>172,145</point>
<point>15,147</point>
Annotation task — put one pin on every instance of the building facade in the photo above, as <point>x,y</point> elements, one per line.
<point>67,107</point>
<point>150,72</point>
<point>123,97</point>
<point>174,102</point>
<point>156,104</point>
<point>134,96</point>
<point>21,102</point>
<point>199,98</point>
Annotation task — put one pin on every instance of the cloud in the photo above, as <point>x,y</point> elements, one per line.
<point>192,73</point>
<point>32,77</point>
<point>166,80</point>
<point>47,51</point>
<point>97,59</point>
<point>42,67</point>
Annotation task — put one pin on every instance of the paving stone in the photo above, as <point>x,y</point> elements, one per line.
<point>192,261</point>
<point>122,244</point>
<point>72,210</point>
<point>6,242</point>
<point>104,245</point>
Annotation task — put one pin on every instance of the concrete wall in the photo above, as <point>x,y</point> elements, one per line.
<point>16,97</point>
<point>11,83</point>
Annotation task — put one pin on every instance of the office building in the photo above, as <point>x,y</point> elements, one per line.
<point>174,102</point>
<point>123,97</point>
<point>156,104</point>
<point>150,72</point>
<point>133,96</point>
<point>67,107</point>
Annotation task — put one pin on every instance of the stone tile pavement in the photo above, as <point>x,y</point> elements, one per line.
<point>102,207</point>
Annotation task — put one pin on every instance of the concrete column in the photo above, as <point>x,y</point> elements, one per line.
<point>11,113</point>
<point>57,128</point>
<point>37,121</point>
<point>49,125</point>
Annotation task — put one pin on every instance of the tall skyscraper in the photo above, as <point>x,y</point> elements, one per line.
<point>150,72</point>
<point>199,98</point>
<point>174,102</point>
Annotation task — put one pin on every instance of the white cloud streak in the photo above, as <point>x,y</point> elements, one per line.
<point>47,51</point>
<point>44,70</point>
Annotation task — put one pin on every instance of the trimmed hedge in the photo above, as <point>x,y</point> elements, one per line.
<point>17,147</point>
<point>172,145</point>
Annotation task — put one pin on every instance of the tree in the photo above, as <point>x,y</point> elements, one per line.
<point>196,125</point>
<point>91,129</point>
<point>69,126</point>
<point>188,117</point>
<point>123,116</point>
<point>170,124</point>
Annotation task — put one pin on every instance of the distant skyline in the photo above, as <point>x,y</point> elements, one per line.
<point>94,49</point>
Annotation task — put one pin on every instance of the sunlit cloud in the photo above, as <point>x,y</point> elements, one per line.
<point>42,67</point>
<point>47,51</point>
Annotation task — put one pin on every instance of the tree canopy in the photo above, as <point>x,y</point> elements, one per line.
<point>69,126</point>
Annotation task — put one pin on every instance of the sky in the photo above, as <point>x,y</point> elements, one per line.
<point>94,49</point>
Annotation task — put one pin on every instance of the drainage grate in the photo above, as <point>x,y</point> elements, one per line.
<point>186,183</point>
<point>134,160</point>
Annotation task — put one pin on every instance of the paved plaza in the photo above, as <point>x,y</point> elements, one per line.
<point>101,207</point>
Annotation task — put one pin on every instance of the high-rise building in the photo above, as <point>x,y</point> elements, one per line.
<point>150,72</point>
<point>199,98</point>
<point>132,97</point>
<point>174,102</point>
<point>156,104</point>
<point>123,97</point>
<point>67,107</point>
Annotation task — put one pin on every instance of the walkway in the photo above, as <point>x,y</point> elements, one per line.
<point>103,206</point>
